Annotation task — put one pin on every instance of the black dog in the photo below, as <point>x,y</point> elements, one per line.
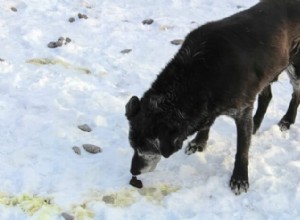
<point>219,70</point>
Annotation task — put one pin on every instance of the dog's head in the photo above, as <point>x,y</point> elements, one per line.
<point>153,133</point>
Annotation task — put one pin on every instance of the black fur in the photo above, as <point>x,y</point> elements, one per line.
<point>219,70</point>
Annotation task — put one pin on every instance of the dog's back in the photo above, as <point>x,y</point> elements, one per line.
<point>240,54</point>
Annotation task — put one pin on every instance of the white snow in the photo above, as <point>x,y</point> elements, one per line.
<point>89,81</point>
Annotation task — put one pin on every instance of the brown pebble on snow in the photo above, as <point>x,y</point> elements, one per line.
<point>81,16</point>
<point>126,51</point>
<point>67,216</point>
<point>14,9</point>
<point>52,44</point>
<point>85,128</point>
<point>177,42</point>
<point>68,40</point>
<point>76,150</point>
<point>93,149</point>
<point>71,19</point>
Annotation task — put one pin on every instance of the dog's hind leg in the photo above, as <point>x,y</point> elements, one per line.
<point>290,116</point>
<point>264,99</point>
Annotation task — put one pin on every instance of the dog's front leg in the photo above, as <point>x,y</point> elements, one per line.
<point>239,181</point>
<point>199,142</point>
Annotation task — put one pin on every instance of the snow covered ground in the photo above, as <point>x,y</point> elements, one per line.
<point>46,93</point>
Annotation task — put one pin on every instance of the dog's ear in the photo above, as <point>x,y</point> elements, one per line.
<point>132,107</point>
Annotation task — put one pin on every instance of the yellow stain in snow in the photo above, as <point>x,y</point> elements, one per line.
<point>128,197</point>
<point>56,61</point>
<point>42,208</point>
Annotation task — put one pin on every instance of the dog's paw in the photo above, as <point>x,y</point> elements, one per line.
<point>284,125</point>
<point>190,149</point>
<point>239,186</point>
<point>194,147</point>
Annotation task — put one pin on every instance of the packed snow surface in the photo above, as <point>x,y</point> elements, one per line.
<point>46,93</point>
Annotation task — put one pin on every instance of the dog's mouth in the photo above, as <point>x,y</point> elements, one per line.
<point>144,163</point>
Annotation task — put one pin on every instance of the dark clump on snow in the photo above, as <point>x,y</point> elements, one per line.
<point>177,42</point>
<point>126,51</point>
<point>14,9</point>
<point>68,40</point>
<point>148,21</point>
<point>136,183</point>
<point>59,42</point>
<point>52,44</point>
<point>82,16</point>
<point>71,19</point>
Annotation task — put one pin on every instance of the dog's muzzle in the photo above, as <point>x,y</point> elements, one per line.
<point>144,162</point>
